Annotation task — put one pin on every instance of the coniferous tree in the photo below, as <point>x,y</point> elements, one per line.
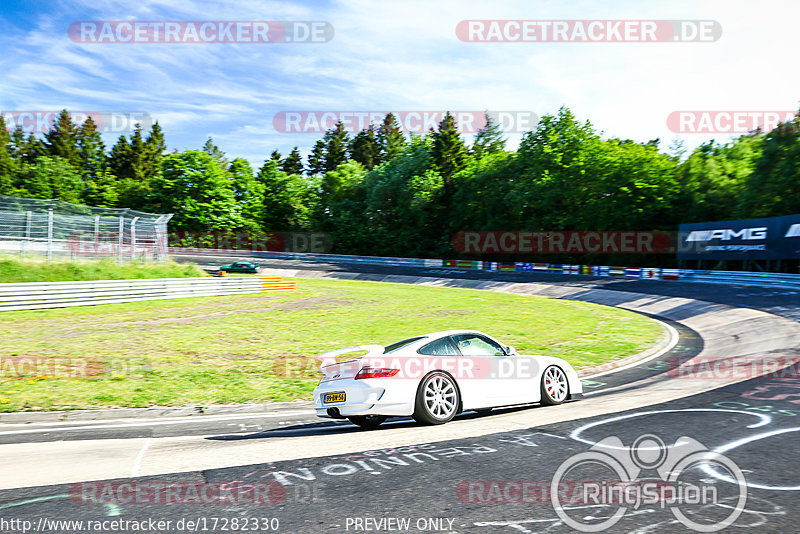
<point>336,144</point>
<point>137,154</point>
<point>154,147</point>
<point>316,161</point>
<point>7,165</point>
<point>448,151</point>
<point>62,139</point>
<point>119,159</point>
<point>489,139</point>
<point>276,156</point>
<point>34,148</point>
<point>364,148</point>
<point>17,145</point>
<point>91,150</point>
<point>391,140</point>
<point>213,150</point>
<point>293,163</point>
<point>100,184</point>
<point>129,164</point>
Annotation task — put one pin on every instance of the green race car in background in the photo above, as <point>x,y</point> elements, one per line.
<point>240,267</point>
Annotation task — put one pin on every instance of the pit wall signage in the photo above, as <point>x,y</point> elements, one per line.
<point>773,238</point>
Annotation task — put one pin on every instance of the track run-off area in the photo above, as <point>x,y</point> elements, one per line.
<point>330,476</point>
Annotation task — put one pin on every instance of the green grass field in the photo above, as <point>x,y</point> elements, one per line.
<point>12,270</point>
<point>260,347</point>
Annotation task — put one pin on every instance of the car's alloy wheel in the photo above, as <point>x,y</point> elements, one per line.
<point>367,421</point>
<point>555,387</point>
<point>437,399</point>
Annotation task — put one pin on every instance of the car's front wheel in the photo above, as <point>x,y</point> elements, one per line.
<point>555,387</point>
<point>367,421</point>
<point>437,399</point>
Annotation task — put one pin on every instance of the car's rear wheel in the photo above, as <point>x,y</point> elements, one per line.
<point>367,421</point>
<point>437,399</point>
<point>555,387</point>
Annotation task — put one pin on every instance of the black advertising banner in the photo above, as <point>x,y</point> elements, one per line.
<point>789,234</point>
<point>774,238</point>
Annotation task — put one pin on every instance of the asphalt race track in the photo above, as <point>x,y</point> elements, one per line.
<point>496,482</point>
<point>785,302</point>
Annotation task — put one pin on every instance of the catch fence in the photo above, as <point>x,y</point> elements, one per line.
<point>57,230</point>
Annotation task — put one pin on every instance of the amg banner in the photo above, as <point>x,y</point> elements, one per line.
<point>775,238</point>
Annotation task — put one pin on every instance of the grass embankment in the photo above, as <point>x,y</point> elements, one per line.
<point>210,350</point>
<point>40,271</point>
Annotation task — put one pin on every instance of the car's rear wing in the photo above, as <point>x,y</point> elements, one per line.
<point>347,369</point>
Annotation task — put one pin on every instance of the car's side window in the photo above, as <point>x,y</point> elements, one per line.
<point>475,345</point>
<point>440,347</point>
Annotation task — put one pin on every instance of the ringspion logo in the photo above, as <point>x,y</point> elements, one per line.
<point>648,473</point>
<point>199,32</point>
<point>588,31</point>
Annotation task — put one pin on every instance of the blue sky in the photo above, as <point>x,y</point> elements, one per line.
<point>399,55</point>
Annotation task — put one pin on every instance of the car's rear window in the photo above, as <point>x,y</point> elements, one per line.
<point>401,344</point>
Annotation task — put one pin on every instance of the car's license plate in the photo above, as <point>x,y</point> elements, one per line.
<point>339,396</point>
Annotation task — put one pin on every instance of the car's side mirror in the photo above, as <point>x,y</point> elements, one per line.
<point>509,350</point>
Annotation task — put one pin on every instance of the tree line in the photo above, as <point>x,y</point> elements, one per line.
<point>382,192</point>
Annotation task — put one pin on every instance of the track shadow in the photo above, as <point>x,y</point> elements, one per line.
<point>345,427</point>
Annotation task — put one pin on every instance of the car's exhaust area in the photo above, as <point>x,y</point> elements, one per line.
<point>334,412</point>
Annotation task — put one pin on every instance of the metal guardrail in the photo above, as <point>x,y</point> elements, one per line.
<point>39,295</point>
<point>746,278</point>
<point>305,256</point>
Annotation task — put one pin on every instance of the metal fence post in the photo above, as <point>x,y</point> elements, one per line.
<point>28,217</point>
<point>49,235</point>
<point>133,238</point>
<point>155,243</point>
<point>120,238</point>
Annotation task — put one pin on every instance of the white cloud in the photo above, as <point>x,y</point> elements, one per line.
<point>403,56</point>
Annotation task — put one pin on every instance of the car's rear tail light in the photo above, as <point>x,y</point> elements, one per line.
<point>374,372</point>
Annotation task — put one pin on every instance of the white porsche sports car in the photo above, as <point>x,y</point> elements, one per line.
<point>436,376</point>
